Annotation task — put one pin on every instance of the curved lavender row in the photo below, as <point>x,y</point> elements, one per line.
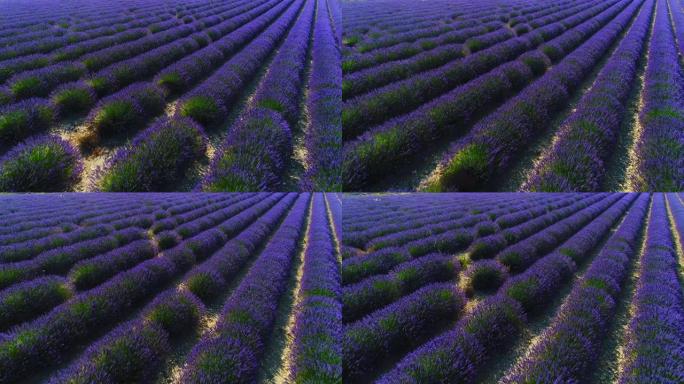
<point>366,80</point>
<point>194,222</point>
<point>209,102</point>
<point>586,312</point>
<point>377,76</point>
<point>137,343</point>
<point>409,36</point>
<point>35,233</point>
<point>522,254</point>
<point>193,212</point>
<point>99,59</point>
<point>95,34</point>
<point>30,299</point>
<point>59,260</point>
<point>140,67</point>
<point>444,224</point>
<point>428,220</point>
<point>150,62</point>
<point>156,158</point>
<point>368,157</point>
<point>659,150</point>
<point>106,25</point>
<point>137,30</point>
<point>543,278</point>
<point>576,161</point>
<point>40,164</point>
<point>209,278</point>
<point>134,351</point>
<point>493,207</point>
<point>213,217</point>
<point>413,35</point>
<point>31,248</point>
<point>492,144</point>
<point>357,268</point>
<point>181,75</point>
<point>213,236</point>
<point>654,351</point>
<point>354,62</point>
<point>39,82</point>
<point>141,216</point>
<point>404,232</point>
<point>586,238</point>
<point>323,138</point>
<point>362,112</point>
<point>24,63</point>
<point>399,326</point>
<point>447,242</point>
<point>91,272</point>
<point>316,350</point>
<point>247,317</point>
<point>372,293</point>
<point>45,216</point>
<point>431,215</point>
<point>281,90</point>
<point>42,213</point>
<point>59,43</point>
<point>362,62</point>
<point>456,355</point>
<point>490,246</point>
<point>516,218</point>
<point>106,212</point>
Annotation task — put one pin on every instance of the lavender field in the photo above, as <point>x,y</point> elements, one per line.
<point>513,288</point>
<point>170,288</point>
<point>144,95</point>
<point>513,95</point>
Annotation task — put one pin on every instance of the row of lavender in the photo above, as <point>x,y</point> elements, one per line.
<point>187,79</point>
<point>491,78</point>
<point>453,288</point>
<point>138,288</point>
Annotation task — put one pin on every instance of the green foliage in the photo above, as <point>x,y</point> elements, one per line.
<point>201,109</point>
<point>115,117</point>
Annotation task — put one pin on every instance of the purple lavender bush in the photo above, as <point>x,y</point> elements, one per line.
<point>40,164</point>
<point>156,158</point>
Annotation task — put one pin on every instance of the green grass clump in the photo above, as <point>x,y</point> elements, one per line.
<point>201,109</point>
